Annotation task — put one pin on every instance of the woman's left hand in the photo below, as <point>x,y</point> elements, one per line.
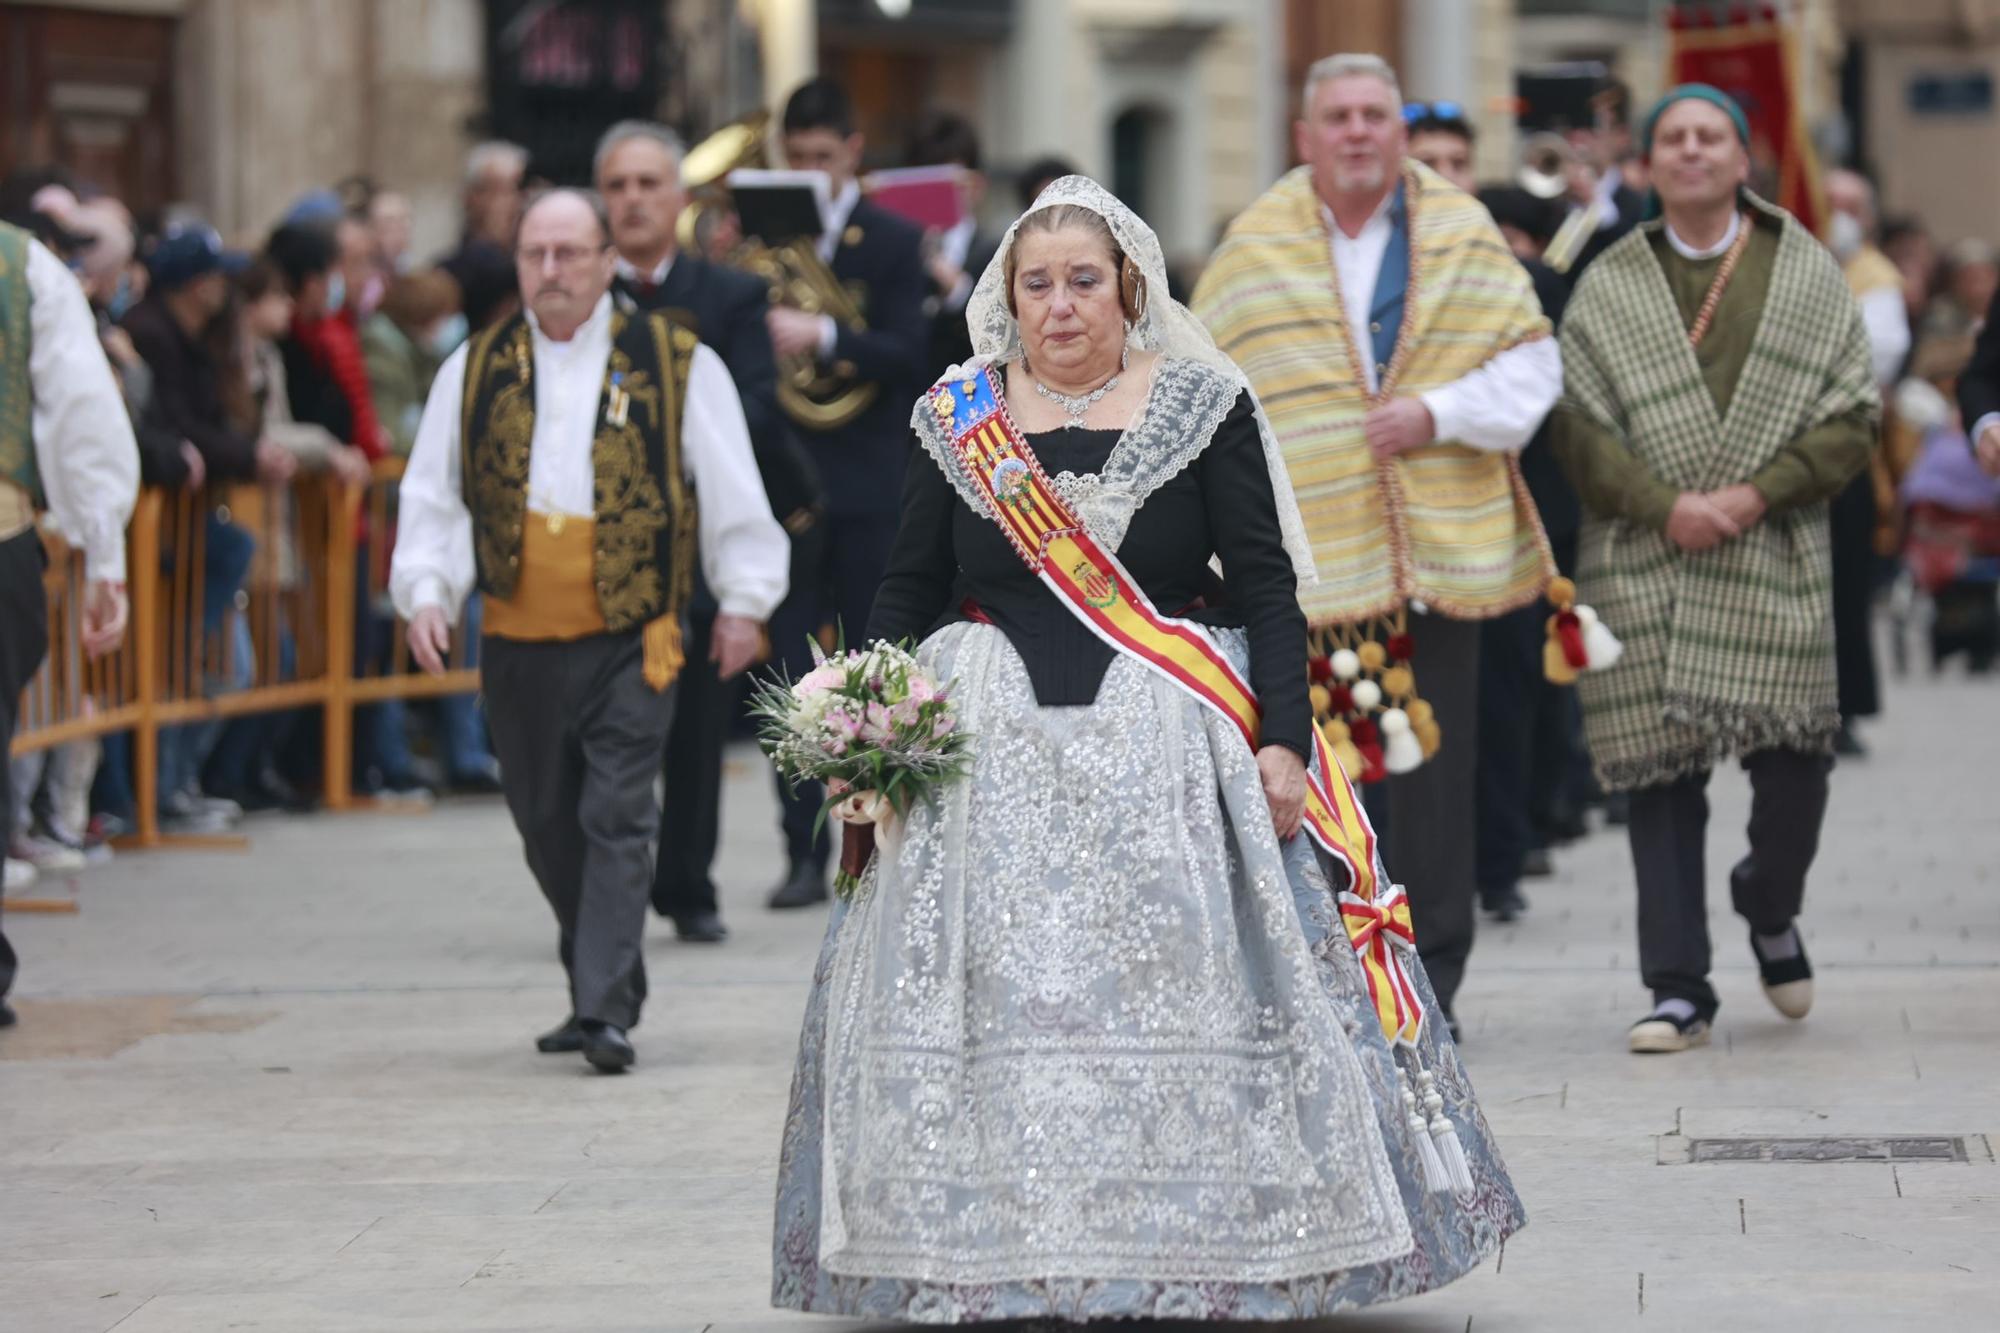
<point>1284,777</point>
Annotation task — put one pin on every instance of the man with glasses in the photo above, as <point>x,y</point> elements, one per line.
<point>556,469</point>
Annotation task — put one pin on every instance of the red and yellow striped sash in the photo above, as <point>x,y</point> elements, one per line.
<point>1053,542</point>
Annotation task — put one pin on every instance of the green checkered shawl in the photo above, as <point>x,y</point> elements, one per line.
<point>1729,651</point>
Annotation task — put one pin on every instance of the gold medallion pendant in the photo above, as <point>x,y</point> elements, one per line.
<point>556,522</point>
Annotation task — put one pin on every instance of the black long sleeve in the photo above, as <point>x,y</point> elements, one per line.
<point>745,345</point>
<point>916,589</point>
<point>893,348</point>
<point>1979,386</point>
<point>1262,586</point>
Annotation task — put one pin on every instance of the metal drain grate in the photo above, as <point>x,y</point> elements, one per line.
<point>1675,1150</point>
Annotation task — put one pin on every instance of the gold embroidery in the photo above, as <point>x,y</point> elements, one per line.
<point>497,451</point>
<point>17,440</point>
<point>638,509</point>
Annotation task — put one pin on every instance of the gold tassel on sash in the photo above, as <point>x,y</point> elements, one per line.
<point>663,652</point>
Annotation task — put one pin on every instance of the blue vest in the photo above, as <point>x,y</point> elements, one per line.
<point>1385,315</point>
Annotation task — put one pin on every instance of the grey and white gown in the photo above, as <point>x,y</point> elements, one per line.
<point>1089,1042</point>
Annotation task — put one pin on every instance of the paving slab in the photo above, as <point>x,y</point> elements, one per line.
<point>292,1088</point>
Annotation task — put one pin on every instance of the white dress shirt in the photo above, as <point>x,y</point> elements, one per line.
<point>85,454</point>
<point>1690,252</point>
<point>1498,406</point>
<point>955,244</point>
<point>1888,323</point>
<point>627,270</point>
<point>833,216</point>
<point>745,554</point>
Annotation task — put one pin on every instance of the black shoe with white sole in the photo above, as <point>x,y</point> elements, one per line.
<point>1788,983</point>
<point>1663,1032</point>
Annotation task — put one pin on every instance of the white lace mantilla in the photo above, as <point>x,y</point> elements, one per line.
<point>1185,404</point>
<point>1164,326</point>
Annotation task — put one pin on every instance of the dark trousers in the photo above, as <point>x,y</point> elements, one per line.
<point>579,734</point>
<point>1429,840</point>
<point>1513,699</point>
<point>690,821</point>
<point>24,642</point>
<point>1852,519</point>
<point>1669,832</point>
<point>839,588</point>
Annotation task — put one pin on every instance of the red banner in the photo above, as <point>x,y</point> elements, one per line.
<point>1753,56</point>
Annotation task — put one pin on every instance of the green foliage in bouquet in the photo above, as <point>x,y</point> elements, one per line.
<point>869,719</point>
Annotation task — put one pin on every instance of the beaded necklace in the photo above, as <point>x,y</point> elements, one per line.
<point>1706,315</point>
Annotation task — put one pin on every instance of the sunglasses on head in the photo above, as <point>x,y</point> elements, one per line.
<point>1416,111</point>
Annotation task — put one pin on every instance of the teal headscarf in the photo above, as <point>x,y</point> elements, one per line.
<point>1695,92</point>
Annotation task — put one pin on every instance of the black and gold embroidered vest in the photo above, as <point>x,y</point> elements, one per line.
<point>17,438</point>
<point>645,523</point>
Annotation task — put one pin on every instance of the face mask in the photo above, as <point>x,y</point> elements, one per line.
<point>336,292</point>
<point>1844,235</point>
<point>446,337</point>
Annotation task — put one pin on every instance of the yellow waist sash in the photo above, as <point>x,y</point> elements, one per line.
<point>555,596</point>
<point>17,511</point>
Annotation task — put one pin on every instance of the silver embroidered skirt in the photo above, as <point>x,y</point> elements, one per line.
<point>1089,1043</point>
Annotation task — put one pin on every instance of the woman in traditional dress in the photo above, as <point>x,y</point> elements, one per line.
<point>1091,1039</point>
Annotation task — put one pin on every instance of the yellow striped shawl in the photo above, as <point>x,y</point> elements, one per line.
<point>1447,525</point>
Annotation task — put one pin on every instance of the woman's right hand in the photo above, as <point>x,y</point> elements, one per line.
<point>1284,776</point>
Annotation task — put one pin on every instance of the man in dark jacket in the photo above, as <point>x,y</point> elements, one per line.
<point>954,258</point>
<point>1979,393</point>
<point>1530,731</point>
<point>860,462</point>
<point>170,329</point>
<point>638,171</point>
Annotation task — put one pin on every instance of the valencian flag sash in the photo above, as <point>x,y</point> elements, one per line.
<point>1048,535</point>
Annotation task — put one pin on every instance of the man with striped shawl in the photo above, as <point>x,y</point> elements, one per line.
<point>1400,352</point>
<point>1718,393</point>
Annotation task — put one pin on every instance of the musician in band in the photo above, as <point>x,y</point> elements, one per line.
<point>877,256</point>
<point>956,256</point>
<point>638,172</point>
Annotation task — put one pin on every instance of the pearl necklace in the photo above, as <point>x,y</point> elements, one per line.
<point>1075,407</point>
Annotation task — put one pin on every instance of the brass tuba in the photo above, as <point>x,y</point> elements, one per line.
<point>1545,162</point>
<point>816,398</point>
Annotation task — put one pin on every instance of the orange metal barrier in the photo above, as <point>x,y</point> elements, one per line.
<point>300,585</point>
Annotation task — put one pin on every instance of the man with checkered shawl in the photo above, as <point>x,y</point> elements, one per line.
<point>1717,393</point>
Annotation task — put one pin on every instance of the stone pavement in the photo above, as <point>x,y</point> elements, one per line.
<point>293,1089</point>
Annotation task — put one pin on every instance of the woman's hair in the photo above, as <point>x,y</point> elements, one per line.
<point>302,252</point>
<point>415,300</point>
<point>1060,217</point>
<point>259,280</point>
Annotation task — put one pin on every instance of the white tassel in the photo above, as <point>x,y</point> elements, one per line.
<point>1436,1179</point>
<point>1402,752</point>
<point>1600,646</point>
<point>1451,1152</point>
<point>1367,695</point>
<point>1346,664</point>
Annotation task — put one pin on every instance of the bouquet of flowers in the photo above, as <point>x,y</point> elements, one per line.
<point>873,726</point>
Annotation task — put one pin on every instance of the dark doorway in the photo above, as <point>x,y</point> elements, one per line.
<point>560,72</point>
<point>91,93</point>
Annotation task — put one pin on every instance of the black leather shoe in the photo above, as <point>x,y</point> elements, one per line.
<point>561,1040</point>
<point>1504,905</point>
<point>702,928</point>
<point>607,1048</point>
<point>1537,864</point>
<point>7,1016</point>
<point>805,886</point>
